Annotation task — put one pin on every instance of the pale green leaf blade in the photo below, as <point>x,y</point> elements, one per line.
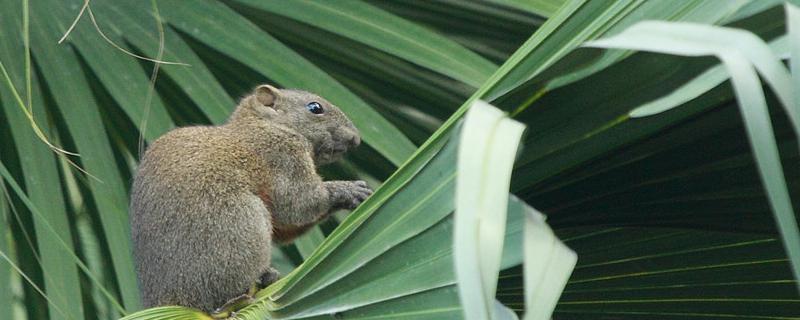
<point>793,24</point>
<point>692,39</point>
<point>373,26</point>
<point>548,266</point>
<point>501,312</point>
<point>759,130</point>
<point>697,86</point>
<point>693,89</point>
<point>488,147</point>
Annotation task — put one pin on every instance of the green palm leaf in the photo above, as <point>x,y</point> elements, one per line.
<point>6,292</point>
<point>741,53</point>
<point>382,30</point>
<point>667,212</point>
<point>676,274</point>
<point>38,165</point>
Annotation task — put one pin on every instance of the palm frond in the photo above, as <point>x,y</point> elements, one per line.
<point>666,212</point>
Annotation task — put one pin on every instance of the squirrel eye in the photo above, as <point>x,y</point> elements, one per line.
<point>315,107</point>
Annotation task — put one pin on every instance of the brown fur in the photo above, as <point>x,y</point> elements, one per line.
<point>207,201</point>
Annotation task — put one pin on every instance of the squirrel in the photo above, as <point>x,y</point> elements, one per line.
<point>207,201</point>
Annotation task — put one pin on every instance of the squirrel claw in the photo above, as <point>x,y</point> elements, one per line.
<point>360,193</point>
<point>349,194</point>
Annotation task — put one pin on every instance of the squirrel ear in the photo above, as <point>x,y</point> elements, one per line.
<point>266,94</point>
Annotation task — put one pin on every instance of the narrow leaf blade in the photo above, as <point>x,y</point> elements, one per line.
<point>488,146</point>
<point>548,266</point>
<point>372,26</point>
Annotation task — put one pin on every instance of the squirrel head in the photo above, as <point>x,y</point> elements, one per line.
<point>326,127</point>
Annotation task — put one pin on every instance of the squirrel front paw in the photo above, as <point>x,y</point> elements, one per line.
<point>348,194</point>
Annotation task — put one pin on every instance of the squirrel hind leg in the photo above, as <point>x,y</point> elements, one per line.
<point>230,307</point>
<point>268,277</point>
